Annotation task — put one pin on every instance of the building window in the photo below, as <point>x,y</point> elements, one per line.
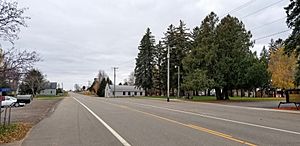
<point>135,93</point>
<point>124,93</point>
<point>51,92</point>
<point>128,93</point>
<point>141,93</point>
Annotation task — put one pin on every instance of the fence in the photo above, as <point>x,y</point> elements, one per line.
<point>5,114</point>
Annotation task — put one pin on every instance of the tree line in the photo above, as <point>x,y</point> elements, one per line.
<point>216,55</point>
<point>16,65</point>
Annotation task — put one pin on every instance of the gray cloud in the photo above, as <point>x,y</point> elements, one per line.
<point>77,38</point>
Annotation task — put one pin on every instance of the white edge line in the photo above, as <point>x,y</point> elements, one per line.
<point>221,119</point>
<point>233,106</point>
<point>118,136</point>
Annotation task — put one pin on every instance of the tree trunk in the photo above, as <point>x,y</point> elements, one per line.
<point>225,91</point>
<point>208,92</point>
<point>242,93</point>
<point>231,93</point>
<point>249,91</point>
<point>218,94</point>
<point>32,90</point>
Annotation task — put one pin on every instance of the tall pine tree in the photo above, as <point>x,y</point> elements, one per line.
<point>145,62</point>
<point>292,43</point>
<point>179,41</point>
<point>202,55</point>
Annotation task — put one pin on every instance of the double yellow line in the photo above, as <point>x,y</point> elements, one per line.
<point>195,127</point>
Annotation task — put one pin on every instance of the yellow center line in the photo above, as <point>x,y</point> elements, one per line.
<point>195,127</point>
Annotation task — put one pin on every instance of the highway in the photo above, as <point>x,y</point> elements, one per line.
<point>84,120</point>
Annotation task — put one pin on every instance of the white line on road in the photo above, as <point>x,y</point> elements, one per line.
<point>218,118</point>
<point>118,136</point>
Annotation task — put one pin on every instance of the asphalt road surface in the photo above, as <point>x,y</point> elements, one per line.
<point>88,121</point>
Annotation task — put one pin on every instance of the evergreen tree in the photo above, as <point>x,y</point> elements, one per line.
<point>264,57</point>
<point>101,89</point>
<point>157,76</point>
<point>202,54</point>
<point>292,43</point>
<point>169,42</point>
<point>233,48</point>
<point>145,62</point>
<point>103,81</point>
<point>179,41</point>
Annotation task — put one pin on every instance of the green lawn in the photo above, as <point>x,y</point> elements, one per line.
<point>213,98</point>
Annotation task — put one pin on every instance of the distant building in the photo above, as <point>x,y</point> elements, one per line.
<point>123,91</point>
<point>49,89</point>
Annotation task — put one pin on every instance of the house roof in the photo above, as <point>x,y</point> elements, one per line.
<point>50,85</point>
<point>126,88</point>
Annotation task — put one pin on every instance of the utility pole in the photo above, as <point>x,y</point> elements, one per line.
<point>115,68</point>
<point>168,82</point>
<point>178,81</point>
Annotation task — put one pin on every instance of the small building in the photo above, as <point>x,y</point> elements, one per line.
<point>123,91</point>
<point>49,89</point>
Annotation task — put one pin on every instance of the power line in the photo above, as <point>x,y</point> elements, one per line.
<point>269,23</point>
<point>267,36</point>
<point>264,8</point>
<point>239,7</point>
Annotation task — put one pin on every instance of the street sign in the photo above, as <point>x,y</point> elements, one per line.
<point>5,89</point>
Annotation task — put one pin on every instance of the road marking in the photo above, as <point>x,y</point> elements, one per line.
<point>250,108</point>
<point>195,127</point>
<point>217,118</point>
<point>118,136</point>
<point>233,106</point>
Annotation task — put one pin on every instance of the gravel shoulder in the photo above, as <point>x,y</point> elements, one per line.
<point>35,111</point>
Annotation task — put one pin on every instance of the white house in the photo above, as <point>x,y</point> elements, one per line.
<point>49,89</point>
<point>123,91</point>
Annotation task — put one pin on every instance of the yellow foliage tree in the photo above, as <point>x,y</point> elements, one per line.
<point>283,68</point>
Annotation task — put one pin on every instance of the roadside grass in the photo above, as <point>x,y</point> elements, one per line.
<point>13,132</point>
<point>51,97</point>
<point>213,98</point>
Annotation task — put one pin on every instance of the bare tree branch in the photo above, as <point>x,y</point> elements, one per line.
<point>11,18</point>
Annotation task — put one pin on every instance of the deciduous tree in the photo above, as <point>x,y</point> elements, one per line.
<point>283,69</point>
<point>35,80</point>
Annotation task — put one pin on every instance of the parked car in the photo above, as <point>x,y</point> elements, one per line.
<point>24,98</point>
<point>8,100</point>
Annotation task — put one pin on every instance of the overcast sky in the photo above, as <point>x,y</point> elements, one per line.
<point>77,38</point>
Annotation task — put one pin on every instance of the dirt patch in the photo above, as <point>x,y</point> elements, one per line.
<point>14,132</point>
